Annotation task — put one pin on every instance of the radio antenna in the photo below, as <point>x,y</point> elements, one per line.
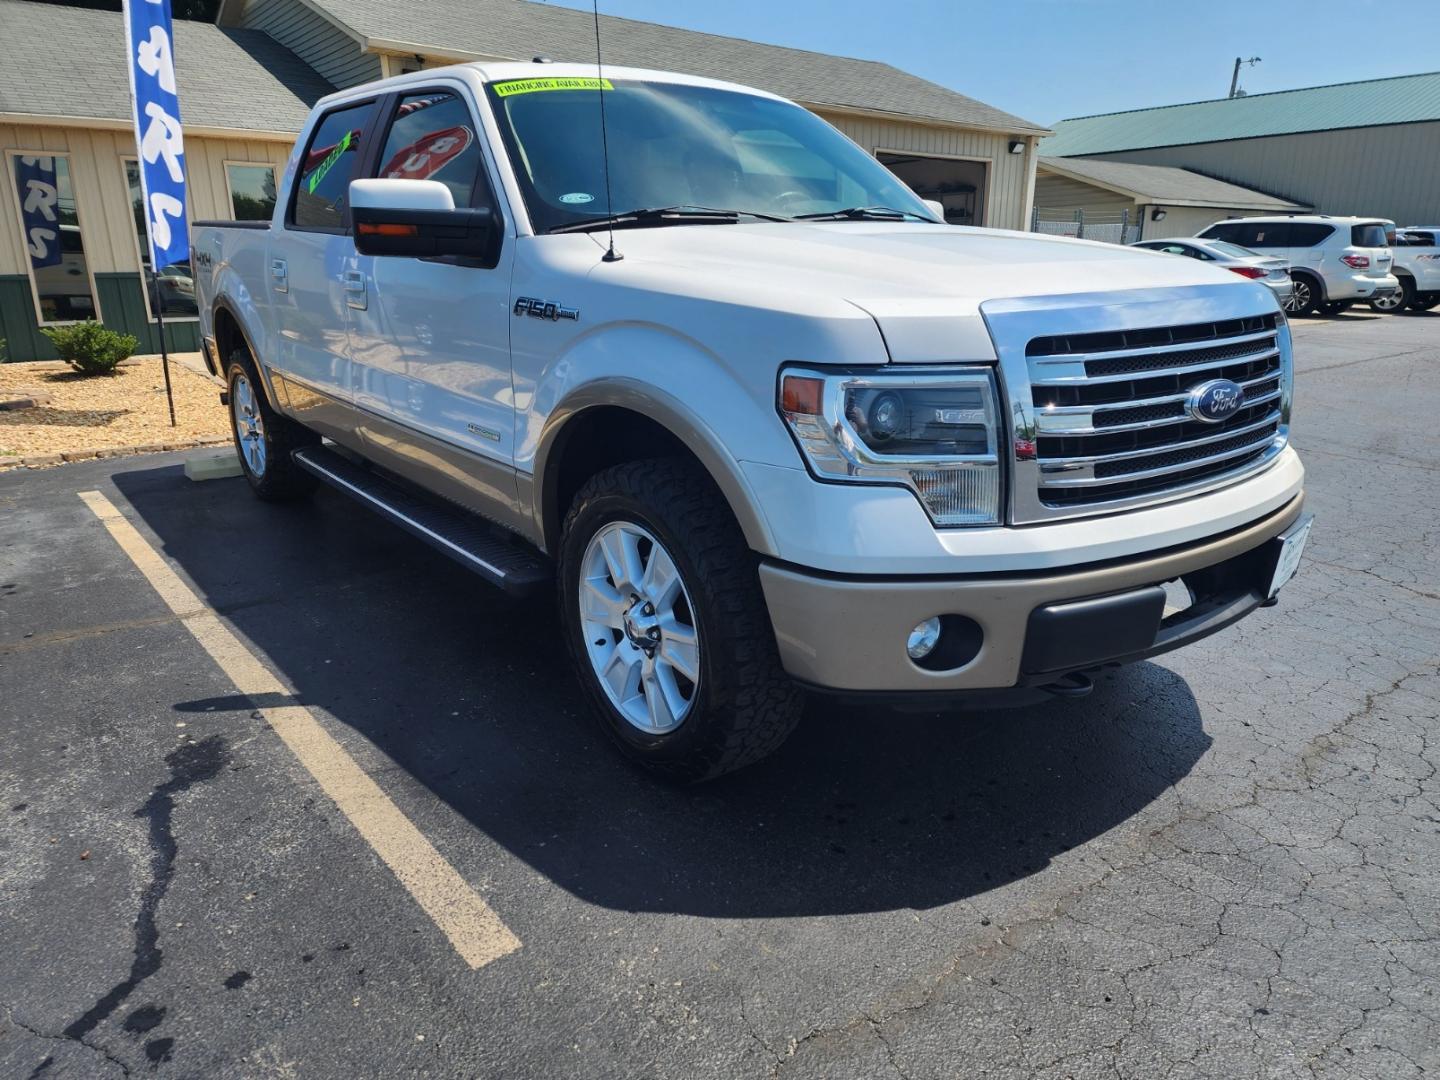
<point>611,255</point>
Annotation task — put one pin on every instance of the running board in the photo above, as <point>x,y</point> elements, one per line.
<point>468,539</point>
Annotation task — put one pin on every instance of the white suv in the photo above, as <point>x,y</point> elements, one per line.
<point>1334,261</point>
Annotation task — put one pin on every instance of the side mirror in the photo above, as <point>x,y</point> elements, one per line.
<point>416,218</point>
<point>936,207</point>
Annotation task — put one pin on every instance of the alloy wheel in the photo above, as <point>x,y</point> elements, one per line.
<point>639,627</point>
<point>249,425</point>
<point>1299,297</point>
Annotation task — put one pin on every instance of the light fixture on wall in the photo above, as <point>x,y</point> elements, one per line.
<point>1017,146</point>
<point>1157,214</point>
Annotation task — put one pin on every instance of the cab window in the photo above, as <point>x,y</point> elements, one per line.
<point>433,137</point>
<point>322,183</point>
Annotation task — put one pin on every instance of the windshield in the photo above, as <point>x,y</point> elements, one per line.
<point>673,145</point>
<point>1233,250</point>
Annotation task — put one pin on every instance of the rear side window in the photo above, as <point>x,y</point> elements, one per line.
<point>1308,234</point>
<point>1253,234</point>
<point>433,138</point>
<point>1371,236</point>
<point>322,184</point>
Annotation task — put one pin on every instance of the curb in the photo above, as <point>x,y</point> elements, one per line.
<point>45,461</point>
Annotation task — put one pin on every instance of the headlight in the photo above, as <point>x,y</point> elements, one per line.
<point>935,433</point>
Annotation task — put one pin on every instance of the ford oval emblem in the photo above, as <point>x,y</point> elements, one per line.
<point>1214,401</point>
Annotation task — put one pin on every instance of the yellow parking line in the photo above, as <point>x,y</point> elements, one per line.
<point>472,927</point>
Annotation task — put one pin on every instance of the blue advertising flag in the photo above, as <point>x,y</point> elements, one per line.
<point>156,104</point>
<point>40,209</point>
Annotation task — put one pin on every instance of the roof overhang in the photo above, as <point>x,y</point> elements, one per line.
<point>1150,199</point>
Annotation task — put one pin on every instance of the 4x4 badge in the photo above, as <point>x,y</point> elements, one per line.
<point>544,309</point>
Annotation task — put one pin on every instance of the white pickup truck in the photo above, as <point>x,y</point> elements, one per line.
<point>730,387</point>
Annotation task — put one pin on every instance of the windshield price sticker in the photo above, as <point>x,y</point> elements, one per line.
<point>534,86</point>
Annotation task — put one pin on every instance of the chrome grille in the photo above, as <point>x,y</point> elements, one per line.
<point>1111,415</point>
<point>1097,387</point>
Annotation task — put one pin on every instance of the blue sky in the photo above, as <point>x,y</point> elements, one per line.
<point>1047,60</point>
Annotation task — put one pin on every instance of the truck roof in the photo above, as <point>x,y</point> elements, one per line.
<point>501,71</point>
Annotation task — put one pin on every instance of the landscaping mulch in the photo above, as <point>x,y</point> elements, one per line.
<point>73,417</point>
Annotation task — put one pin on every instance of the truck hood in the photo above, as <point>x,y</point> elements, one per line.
<point>923,284</point>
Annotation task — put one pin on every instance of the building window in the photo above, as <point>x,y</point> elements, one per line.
<point>252,190</point>
<point>172,293</point>
<point>60,275</point>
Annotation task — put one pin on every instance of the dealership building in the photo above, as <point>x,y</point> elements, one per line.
<point>1368,148</point>
<point>247,82</point>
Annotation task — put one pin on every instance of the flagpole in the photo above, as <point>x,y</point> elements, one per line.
<point>164,353</point>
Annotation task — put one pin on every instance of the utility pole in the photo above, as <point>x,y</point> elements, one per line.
<point>1235,78</point>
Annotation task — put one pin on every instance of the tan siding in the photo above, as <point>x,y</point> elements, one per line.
<point>1062,193</point>
<point>100,192</point>
<point>1006,173</point>
<point>1387,171</point>
<point>321,44</point>
<point>1187,220</point>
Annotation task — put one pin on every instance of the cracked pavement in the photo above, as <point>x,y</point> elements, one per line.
<point>1225,863</point>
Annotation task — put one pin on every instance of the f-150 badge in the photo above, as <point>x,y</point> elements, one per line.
<point>545,309</point>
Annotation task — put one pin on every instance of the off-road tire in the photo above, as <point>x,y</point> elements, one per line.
<point>282,479</point>
<point>745,704</point>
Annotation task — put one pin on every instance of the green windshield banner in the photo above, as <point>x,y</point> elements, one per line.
<point>534,86</point>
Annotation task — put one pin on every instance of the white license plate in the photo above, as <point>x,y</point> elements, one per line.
<point>1292,546</point>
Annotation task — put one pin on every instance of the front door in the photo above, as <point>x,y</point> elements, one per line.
<point>430,338</point>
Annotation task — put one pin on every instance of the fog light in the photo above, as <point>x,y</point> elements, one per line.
<point>923,639</point>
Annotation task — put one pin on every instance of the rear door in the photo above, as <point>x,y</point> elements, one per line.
<point>309,262</point>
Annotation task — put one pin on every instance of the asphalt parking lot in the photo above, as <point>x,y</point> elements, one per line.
<point>1222,864</point>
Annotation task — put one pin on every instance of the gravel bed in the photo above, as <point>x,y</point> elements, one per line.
<point>105,415</point>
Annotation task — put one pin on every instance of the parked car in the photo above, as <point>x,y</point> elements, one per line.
<point>768,425</point>
<point>1266,269</point>
<point>1417,268</point>
<point>1334,261</point>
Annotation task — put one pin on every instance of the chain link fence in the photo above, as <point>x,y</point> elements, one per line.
<point>1111,226</point>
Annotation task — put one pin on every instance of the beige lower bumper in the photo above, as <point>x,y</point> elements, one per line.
<point>849,633</point>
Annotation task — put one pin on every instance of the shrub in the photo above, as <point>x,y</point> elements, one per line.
<point>89,348</point>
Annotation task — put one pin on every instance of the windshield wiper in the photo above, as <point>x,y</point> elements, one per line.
<point>665,215</point>
<point>864,213</point>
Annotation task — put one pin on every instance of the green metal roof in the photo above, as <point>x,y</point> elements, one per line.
<point>1403,99</point>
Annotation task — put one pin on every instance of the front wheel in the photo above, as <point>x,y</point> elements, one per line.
<point>666,623</point>
<point>1336,307</point>
<point>1425,302</point>
<point>1401,298</point>
<point>1303,298</point>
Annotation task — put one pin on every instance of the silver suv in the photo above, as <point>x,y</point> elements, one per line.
<point>1334,261</point>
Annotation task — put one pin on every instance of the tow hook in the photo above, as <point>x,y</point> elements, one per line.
<point>1075,685</point>
<point>225,398</point>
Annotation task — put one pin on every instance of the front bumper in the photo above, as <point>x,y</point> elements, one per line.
<point>848,633</point>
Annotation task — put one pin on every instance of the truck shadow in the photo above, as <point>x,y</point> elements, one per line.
<point>469,691</point>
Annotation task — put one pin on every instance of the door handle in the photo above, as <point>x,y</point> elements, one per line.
<point>355,289</point>
<point>280,275</point>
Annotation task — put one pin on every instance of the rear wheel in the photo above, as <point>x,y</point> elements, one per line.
<point>1304,295</point>
<point>264,438</point>
<point>666,623</point>
<point>1401,298</point>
